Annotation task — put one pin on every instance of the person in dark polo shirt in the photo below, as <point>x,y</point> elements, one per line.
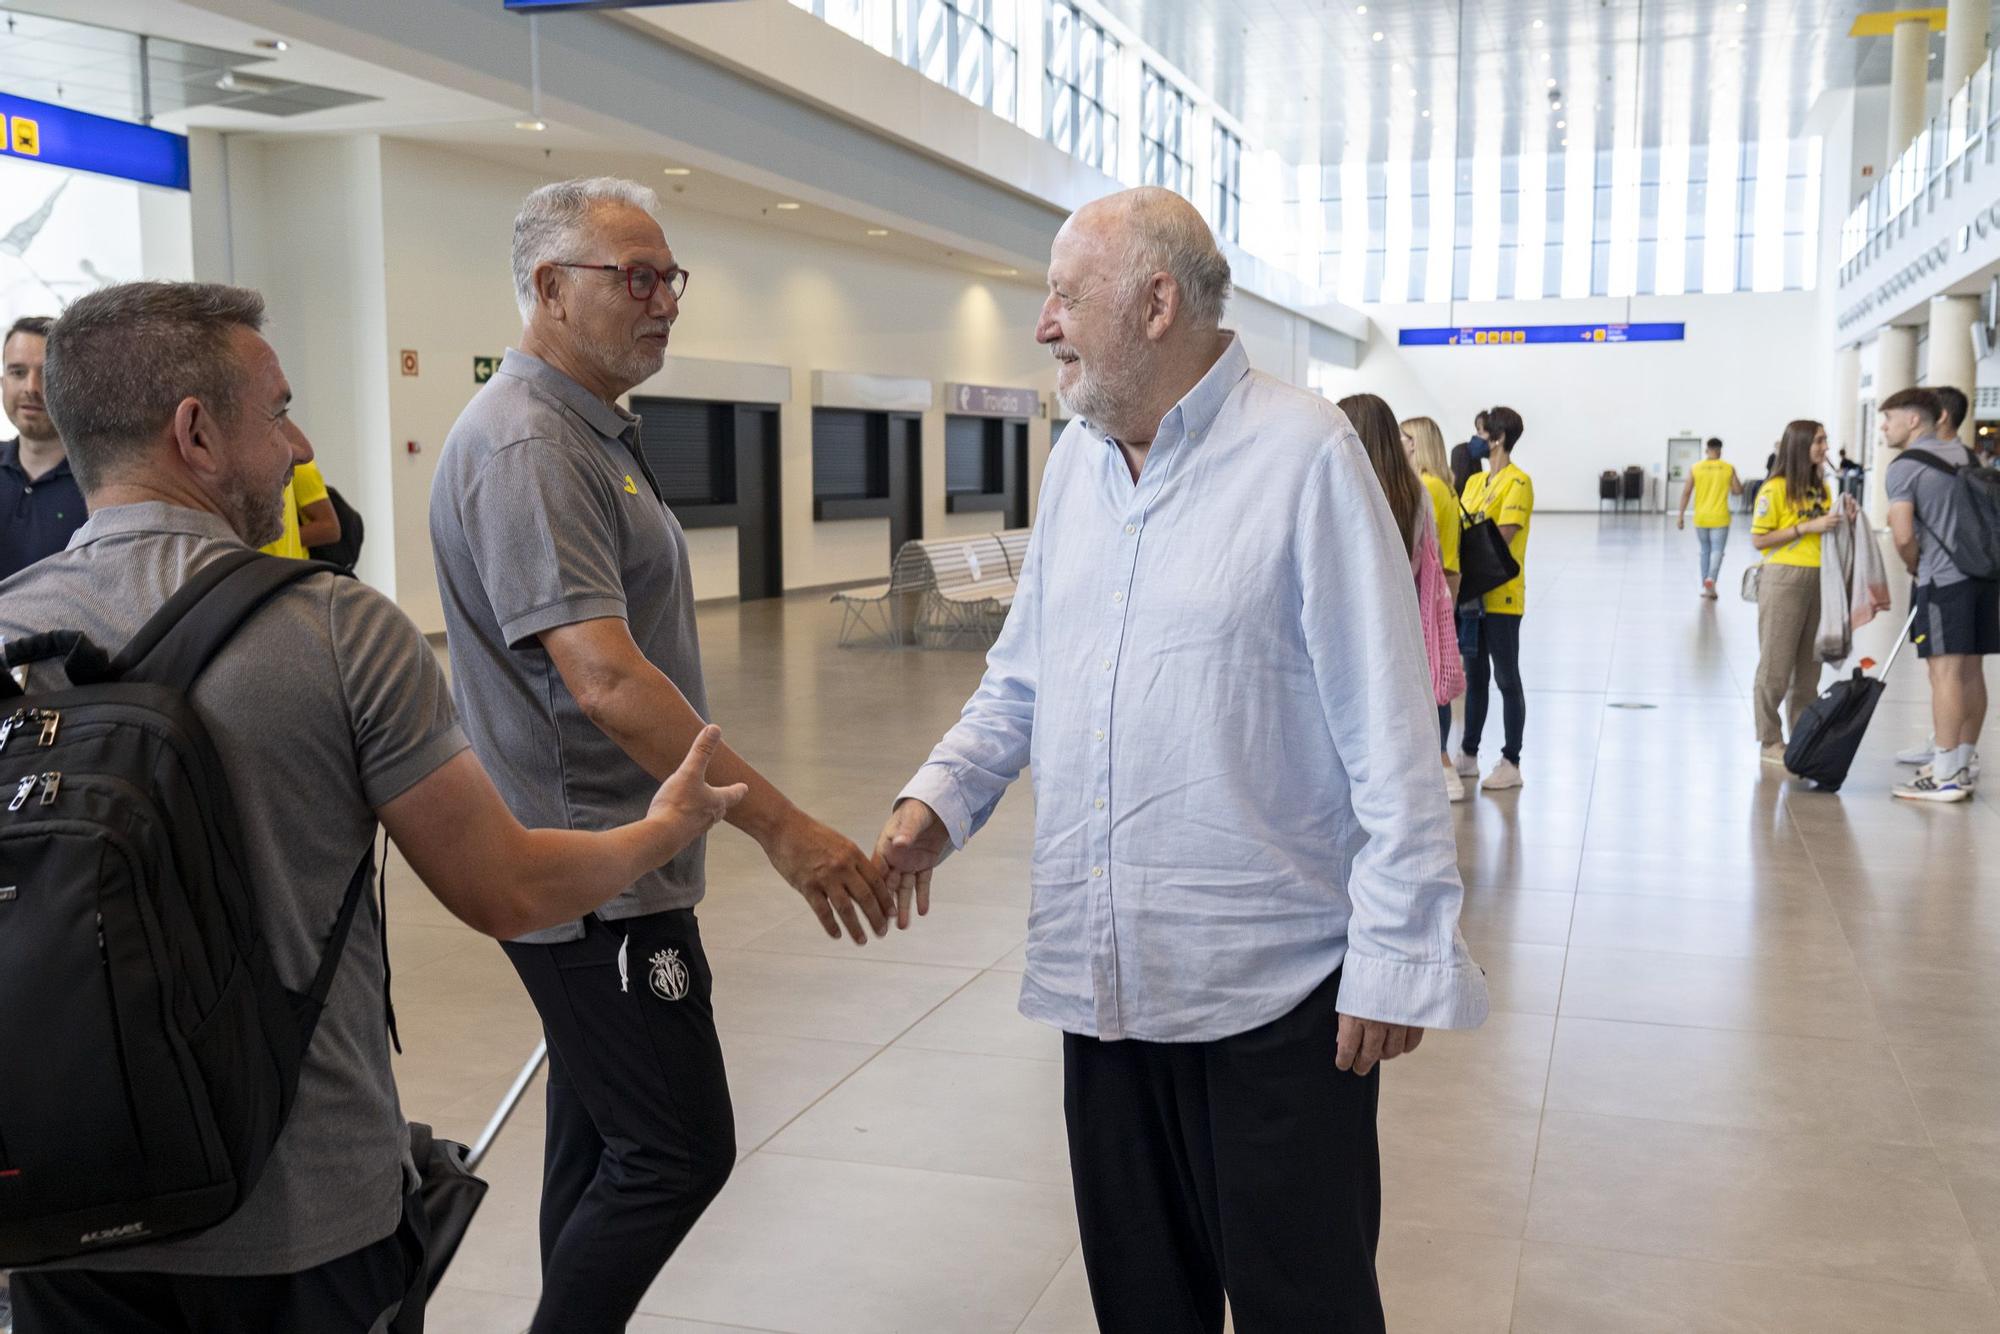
<point>569,611</point>
<point>40,502</point>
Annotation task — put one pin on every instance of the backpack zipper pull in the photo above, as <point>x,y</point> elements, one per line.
<point>14,720</point>
<point>51,721</point>
<point>50,782</point>
<point>21,792</point>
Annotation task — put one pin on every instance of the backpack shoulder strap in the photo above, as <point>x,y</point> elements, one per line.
<point>172,648</point>
<point>1929,460</point>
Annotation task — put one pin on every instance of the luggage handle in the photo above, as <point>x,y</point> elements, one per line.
<point>1901,639</point>
<point>507,1105</point>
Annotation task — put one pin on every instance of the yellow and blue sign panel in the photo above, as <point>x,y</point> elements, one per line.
<point>61,137</point>
<point>1522,334</point>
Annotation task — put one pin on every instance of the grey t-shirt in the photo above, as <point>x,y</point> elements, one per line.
<point>1936,499</point>
<point>326,705</point>
<point>543,515</point>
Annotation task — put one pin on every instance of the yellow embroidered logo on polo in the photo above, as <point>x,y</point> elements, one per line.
<point>631,487</point>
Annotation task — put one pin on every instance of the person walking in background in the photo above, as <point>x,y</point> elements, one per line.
<point>1710,484</point>
<point>1424,443</point>
<point>1465,457</point>
<point>1794,507</point>
<point>310,520</point>
<point>40,502</point>
<point>1957,616</point>
<point>1506,495</point>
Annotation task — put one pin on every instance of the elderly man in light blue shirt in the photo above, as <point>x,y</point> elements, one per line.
<point>1245,885</point>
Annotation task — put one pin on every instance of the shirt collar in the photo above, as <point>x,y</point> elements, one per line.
<point>154,516</point>
<point>10,460</point>
<point>1200,406</point>
<point>607,419</point>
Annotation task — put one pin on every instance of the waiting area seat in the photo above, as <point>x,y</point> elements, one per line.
<point>940,592</point>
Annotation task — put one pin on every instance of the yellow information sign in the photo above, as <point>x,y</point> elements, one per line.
<point>25,135</point>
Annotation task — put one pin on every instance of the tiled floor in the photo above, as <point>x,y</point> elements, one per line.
<point>1743,1071</point>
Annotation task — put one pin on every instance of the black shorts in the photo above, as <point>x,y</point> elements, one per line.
<point>1960,618</point>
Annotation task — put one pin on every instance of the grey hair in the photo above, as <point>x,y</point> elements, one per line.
<point>1168,235</point>
<point>549,227</point>
<point>121,360</point>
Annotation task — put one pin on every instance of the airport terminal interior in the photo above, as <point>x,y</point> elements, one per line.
<point>1741,1070</point>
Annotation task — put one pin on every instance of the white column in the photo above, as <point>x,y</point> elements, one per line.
<point>1895,368</point>
<point>1847,423</point>
<point>1965,34</point>
<point>1951,344</point>
<point>1909,68</point>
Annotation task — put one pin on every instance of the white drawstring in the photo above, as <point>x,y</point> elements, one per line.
<point>624,969</point>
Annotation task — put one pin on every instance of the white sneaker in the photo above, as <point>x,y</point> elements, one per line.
<point>1454,786</point>
<point>1916,754</point>
<point>1505,774</point>
<point>1466,766</point>
<point>1927,787</point>
<point>1774,755</point>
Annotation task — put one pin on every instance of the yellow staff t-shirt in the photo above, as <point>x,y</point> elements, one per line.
<point>1506,497</point>
<point>1711,493</point>
<point>1444,509</point>
<point>1775,510</point>
<point>307,487</point>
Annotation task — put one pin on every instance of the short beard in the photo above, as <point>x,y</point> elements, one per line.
<point>1100,397</point>
<point>257,516</point>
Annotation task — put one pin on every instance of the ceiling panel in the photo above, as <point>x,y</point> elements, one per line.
<point>1310,77</point>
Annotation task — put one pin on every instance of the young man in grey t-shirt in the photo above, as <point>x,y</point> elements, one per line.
<point>1957,617</point>
<point>329,712</point>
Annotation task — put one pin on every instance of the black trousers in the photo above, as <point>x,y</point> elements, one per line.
<point>1246,1166</point>
<point>641,1135</point>
<point>1498,659</point>
<point>378,1289</point>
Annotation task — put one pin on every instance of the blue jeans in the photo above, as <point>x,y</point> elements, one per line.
<point>1711,542</point>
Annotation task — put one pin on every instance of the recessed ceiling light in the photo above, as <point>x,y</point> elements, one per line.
<point>1538,23</point>
<point>878,231</point>
<point>1551,83</point>
<point>788,207</point>
<point>1565,141</point>
<point>1378,36</point>
<point>1742,9</point>
<point>1427,113</point>
<point>272,44</point>
<point>676,171</point>
<point>535,125</point>
<point>1362,9</point>
<point>1555,106</point>
<point>1562,125</point>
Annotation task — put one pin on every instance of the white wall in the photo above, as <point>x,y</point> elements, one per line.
<point>1746,368</point>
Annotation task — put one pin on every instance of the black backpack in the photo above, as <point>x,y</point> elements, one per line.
<point>345,553</point>
<point>149,1056</point>
<point>1977,549</point>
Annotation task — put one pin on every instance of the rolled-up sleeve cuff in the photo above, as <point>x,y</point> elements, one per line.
<point>570,611</point>
<point>1423,995</point>
<point>935,786</point>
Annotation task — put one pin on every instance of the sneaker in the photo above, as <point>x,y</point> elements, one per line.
<point>1467,765</point>
<point>1916,754</point>
<point>1927,787</point>
<point>1708,588</point>
<point>1454,786</point>
<point>1505,774</point>
<point>1774,755</point>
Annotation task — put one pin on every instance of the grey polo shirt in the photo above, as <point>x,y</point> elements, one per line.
<point>1935,497</point>
<point>543,515</point>
<point>324,707</point>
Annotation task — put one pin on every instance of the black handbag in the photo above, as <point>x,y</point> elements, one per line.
<point>1484,562</point>
<point>451,1196</point>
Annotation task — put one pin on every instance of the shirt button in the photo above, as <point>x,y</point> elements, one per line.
<point>1117,597</point>
<point>1107,664</point>
<point>1100,803</point>
<point>1100,734</point>
<point>1131,528</point>
<point>1097,872</point>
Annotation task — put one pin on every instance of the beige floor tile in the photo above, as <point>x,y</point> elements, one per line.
<point>1957,1089</point>
<point>1974,1173</point>
<point>1523,978</point>
<point>1836,1087</point>
<point>1805,929</point>
<point>463,1311</point>
<point>773,1078</point>
<point>845,997</point>
<point>995,1116</point>
<point>808,1245</point>
<point>1578,1290</point>
<point>1773,995</point>
<point>1530,917</point>
<point>1456,1166</point>
<point>1870,1212</point>
<point>1948,1003</point>
<point>1504,1063</point>
<point>1065,1307</point>
<point>1436,1282</point>
<point>985,1020</point>
<point>958,935</point>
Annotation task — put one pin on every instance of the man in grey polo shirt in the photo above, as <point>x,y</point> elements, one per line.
<point>329,712</point>
<point>570,616</point>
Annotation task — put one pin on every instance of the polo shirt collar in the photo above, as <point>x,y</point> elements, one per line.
<point>10,460</point>
<point>154,516</point>
<point>608,420</point>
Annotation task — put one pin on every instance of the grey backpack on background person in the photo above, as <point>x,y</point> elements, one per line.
<point>1976,550</point>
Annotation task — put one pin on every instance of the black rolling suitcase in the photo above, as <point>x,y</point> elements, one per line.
<point>1830,730</point>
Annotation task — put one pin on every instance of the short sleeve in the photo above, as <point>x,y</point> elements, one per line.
<point>308,486</point>
<point>398,702</point>
<point>1765,517</point>
<point>543,535</point>
<point>1516,504</point>
<point>1901,481</point>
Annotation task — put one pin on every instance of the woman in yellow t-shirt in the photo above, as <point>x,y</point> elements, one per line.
<point>1793,508</point>
<point>1424,443</point>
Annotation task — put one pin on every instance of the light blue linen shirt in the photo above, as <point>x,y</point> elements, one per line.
<point>1218,676</point>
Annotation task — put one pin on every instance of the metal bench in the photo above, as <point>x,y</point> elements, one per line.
<point>877,609</point>
<point>970,589</point>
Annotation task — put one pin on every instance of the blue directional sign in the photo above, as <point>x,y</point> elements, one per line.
<point>60,137</point>
<point>1516,335</point>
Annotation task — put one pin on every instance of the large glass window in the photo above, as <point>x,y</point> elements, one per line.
<point>968,46</point>
<point>1080,91</point>
<point>1225,208</point>
<point>1166,123</point>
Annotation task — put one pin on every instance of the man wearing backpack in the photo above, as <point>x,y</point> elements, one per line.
<point>1943,523</point>
<point>175,412</point>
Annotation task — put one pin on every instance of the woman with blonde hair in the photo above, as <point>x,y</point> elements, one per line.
<point>1424,443</point>
<point>1387,452</point>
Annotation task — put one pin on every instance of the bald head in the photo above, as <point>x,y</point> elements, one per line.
<point>1151,230</point>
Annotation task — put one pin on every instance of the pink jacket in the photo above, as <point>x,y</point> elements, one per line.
<point>1434,609</point>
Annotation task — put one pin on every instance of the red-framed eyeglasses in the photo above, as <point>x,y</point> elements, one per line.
<point>641,280</point>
